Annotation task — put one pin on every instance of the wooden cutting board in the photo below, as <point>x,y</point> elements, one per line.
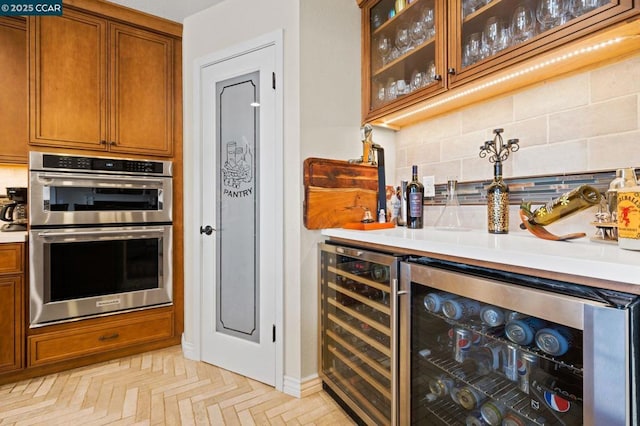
<point>337,192</point>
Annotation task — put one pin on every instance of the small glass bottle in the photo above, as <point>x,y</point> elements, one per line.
<point>498,202</point>
<point>449,219</point>
<point>415,199</point>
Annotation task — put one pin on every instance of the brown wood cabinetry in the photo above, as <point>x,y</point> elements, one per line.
<point>419,55</point>
<point>11,307</point>
<point>14,136</point>
<point>102,85</point>
<point>83,340</point>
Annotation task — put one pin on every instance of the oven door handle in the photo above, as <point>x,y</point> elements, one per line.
<point>77,233</point>
<point>50,178</point>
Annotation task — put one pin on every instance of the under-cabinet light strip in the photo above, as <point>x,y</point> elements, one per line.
<point>502,79</point>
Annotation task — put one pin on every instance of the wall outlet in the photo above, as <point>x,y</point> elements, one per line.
<point>429,183</point>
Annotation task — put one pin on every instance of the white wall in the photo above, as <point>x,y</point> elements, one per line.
<point>321,119</point>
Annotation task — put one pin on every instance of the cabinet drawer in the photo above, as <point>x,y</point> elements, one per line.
<point>11,256</point>
<point>82,341</point>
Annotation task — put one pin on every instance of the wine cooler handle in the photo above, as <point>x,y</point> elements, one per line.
<point>349,251</point>
<point>395,355</point>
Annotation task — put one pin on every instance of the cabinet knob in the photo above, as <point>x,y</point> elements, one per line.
<point>112,143</point>
<point>451,71</point>
<point>438,77</point>
<point>103,142</point>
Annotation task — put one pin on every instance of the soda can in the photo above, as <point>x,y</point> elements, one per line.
<point>522,331</point>
<point>526,362</point>
<point>555,341</point>
<point>470,398</point>
<point>433,301</point>
<point>513,315</point>
<point>463,339</point>
<point>492,316</point>
<point>455,390</point>
<point>474,419</point>
<point>511,362</point>
<point>496,353</point>
<point>441,386</point>
<point>511,419</point>
<point>492,413</point>
<point>460,308</point>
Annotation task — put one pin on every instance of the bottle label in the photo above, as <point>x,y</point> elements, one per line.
<point>629,214</point>
<point>415,204</point>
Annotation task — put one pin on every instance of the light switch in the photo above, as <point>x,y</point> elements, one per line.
<point>429,183</point>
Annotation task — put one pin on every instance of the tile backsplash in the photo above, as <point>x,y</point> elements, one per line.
<point>11,176</point>
<point>588,121</point>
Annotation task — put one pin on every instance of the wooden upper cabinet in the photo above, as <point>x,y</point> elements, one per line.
<point>68,81</point>
<point>425,57</point>
<point>101,85</point>
<point>14,136</point>
<point>141,91</point>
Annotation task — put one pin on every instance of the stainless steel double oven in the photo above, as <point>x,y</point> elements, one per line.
<point>100,236</point>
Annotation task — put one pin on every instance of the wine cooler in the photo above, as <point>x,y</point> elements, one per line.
<point>486,347</point>
<point>358,319</point>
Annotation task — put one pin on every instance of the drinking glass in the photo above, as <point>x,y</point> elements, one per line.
<point>580,7</point>
<point>403,40</point>
<point>473,49</point>
<point>550,13</point>
<point>384,48</point>
<point>429,20</point>
<point>418,32</point>
<point>431,72</point>
<point>417,80</point>
<point>492,36</point>
<point>523,24</point>
<point>391,91</point>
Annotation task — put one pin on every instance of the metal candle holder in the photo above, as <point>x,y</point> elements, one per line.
<point>496,149</point>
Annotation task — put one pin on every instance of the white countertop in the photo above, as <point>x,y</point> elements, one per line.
<point>580,257</point>
<point>13,237</point>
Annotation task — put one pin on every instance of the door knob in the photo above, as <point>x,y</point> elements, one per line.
<point>207,230</point>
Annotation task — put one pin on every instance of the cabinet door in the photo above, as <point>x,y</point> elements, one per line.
<point>141,94</point>
<point>11,335</point>
<point>403,47</point>
<point>14,137</point>
<point>68,81</point>
<point>487,35</point>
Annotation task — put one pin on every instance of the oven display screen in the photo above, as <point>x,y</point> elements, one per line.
<point>100,268</point>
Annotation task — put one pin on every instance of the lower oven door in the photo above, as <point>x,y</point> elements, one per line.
<point>81,272</point>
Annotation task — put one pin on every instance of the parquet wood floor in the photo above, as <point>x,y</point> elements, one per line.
<point>158,388</point>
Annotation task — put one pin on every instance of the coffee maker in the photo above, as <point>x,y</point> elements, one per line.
<point>15,212</point>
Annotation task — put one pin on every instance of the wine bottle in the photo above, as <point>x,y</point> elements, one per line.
<point>498,203</point>
<point>415,198</point>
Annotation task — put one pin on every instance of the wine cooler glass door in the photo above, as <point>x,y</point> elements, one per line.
<point>489,352</point>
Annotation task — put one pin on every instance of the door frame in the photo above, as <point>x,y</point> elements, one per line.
<point>192,343</point>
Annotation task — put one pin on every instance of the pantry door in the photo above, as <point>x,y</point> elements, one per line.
<point>240,254</point>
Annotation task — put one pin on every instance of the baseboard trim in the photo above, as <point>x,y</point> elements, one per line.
<point>301,388</point>
<point>189,350</point>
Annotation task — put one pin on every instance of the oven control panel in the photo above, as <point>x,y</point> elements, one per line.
<point>55,161</point>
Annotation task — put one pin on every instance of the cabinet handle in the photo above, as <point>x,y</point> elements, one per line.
<point>103,142</point>
<point>349,252</point>
<point>112,143</point>
<point>109,337</point>
<point>451,71</point>
<point>437,77</point>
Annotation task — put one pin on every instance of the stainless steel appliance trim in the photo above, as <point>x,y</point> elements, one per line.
<point>40,217</point>
<point>43,313</point>
<point>404,372</point>
<point>555,307</point>
<point>607,372</point>
<point>83,179</point>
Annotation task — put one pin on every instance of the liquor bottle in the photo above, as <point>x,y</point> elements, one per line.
<point>415,198</point>
<point>498,202</point>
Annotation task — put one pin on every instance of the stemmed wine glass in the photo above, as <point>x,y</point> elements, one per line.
<point>429,20</point>
<point>384,48</point>
<point>492,36</point>
<point>550,13</point>
<point>580,7</point>
<point>403,39</point>
<point>418,32</point>
<point>523,24</point>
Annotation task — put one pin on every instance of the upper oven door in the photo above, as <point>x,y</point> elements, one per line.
<point>76,199</point>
